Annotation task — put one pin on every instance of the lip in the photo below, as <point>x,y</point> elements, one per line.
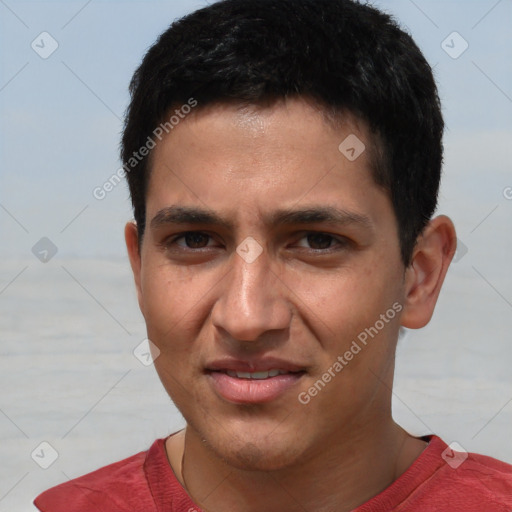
<point>253,365</point>
<point>252,391</point>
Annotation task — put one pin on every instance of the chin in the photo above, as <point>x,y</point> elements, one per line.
<point>263,456</point>
<point>255,449</point>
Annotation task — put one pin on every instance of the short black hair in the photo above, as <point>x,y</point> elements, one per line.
<point>345,55</point>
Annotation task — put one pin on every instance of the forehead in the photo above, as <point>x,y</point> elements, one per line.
<point>294,120</point>
<point>249,160</point>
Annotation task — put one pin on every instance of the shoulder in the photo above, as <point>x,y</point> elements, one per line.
<point>468,481</point>
<point>489,476</point>
<point>445,479</point>
<point>118,487</point>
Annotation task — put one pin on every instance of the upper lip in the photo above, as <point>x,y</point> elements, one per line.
<point>253,365</point>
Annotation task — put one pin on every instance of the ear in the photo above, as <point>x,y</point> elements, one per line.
<point>131,237</point>
<point>425,275</point>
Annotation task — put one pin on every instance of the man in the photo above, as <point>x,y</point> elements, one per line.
<point>284,159</point>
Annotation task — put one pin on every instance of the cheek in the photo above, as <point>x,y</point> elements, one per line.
<point>340,304</point>
<point>176,302</point>
<point>347,308</point>
<point>169,313</point>
<point>164,301</point>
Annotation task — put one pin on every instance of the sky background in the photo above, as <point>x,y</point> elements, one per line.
<point>61,117</point>
<point>68,327</point>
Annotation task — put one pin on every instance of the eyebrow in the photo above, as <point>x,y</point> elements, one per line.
<point>181,215</point>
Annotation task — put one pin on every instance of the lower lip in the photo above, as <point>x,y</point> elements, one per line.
<point>252,391</point>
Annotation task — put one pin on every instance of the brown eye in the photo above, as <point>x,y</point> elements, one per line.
<point>319,240</point>
<point>193,240</point>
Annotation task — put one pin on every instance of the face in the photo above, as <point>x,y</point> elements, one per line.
<point>267,251</point>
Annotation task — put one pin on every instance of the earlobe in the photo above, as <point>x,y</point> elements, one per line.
<point>432,256</point>
<point>132,245</point>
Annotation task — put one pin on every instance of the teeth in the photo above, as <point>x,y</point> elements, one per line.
<point>259,375</point>
<point>255,375</point>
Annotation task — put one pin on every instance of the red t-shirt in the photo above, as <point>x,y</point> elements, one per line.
<point>146,483</point>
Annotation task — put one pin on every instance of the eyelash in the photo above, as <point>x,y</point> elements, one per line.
<point>341,242</point>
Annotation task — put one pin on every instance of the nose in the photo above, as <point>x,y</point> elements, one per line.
<point>252,300</point>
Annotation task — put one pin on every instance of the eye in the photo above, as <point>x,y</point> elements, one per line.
<point>323,241</point>
<point>191,239</point>
<point>313,241</point>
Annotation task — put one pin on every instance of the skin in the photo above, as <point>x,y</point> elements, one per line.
<point>304,300</point>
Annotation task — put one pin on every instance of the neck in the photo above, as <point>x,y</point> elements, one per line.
<point>329,480</point>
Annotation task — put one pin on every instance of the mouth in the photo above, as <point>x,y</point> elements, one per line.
<point>249,385</point>
<point>257,375</point>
